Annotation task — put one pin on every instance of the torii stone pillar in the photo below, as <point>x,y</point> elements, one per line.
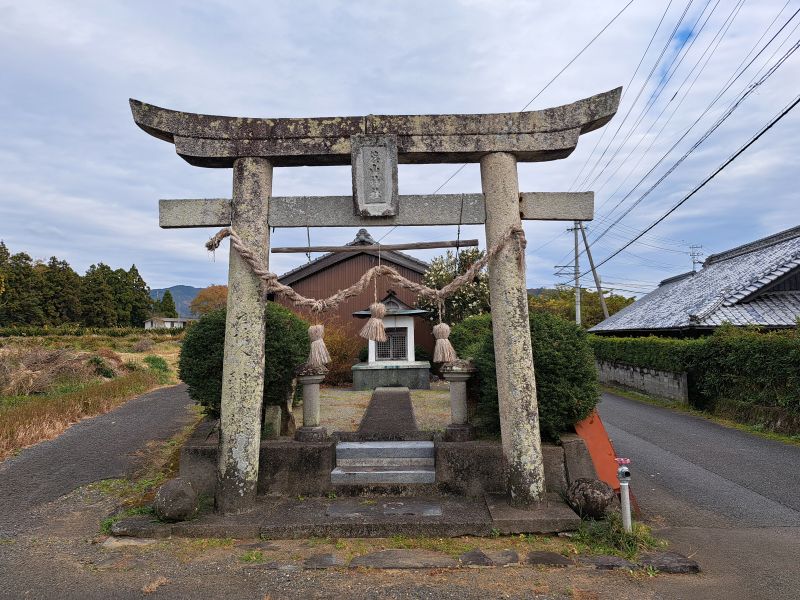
<point>243,367</point>
<point>516,384</point>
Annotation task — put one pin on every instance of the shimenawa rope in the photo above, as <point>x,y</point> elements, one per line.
<point>271,285</point>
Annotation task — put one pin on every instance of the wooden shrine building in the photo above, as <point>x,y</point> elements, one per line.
<point>330,272</point>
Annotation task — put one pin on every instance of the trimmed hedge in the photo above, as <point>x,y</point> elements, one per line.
<point>200,366</point>
<point>732,367</point>
<point>566,380</point>
<point>662,354</point>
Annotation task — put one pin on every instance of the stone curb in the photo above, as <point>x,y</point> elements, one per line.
<point>664,562</point>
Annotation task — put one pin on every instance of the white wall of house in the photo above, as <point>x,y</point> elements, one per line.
<point>165,323</point>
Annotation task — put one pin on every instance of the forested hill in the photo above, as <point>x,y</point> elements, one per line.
<point>34,292</point>
<point>181,294</point>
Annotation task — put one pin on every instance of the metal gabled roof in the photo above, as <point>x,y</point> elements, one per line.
<point>733,287</point>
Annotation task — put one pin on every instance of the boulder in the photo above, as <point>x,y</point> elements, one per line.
<point>591,498</point>
<point>176,500</point>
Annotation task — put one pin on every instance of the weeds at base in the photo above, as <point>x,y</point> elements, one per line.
<point>609,537</point>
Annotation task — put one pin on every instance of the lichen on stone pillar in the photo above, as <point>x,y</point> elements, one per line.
<point>516,384</point>
<point>243,367</point>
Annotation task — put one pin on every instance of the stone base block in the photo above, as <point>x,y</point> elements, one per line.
<point>458,433</point>
<point>413,375</point>
<point>474,468</point>
<point>286,466</point>
<point>549,516</point>
<point>311,434</point>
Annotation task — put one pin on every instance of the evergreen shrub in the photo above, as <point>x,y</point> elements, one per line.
<point>286,347</point>
<point>566,380</point>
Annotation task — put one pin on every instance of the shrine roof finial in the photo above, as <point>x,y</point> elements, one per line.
<point>363,238</point>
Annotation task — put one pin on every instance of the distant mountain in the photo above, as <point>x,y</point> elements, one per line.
<point>183,296</point>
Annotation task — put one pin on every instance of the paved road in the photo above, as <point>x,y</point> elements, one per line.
<point>729,497</point>
<point>93,449</point>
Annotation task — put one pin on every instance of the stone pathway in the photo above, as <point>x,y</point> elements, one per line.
<point>389,413</point>
<point>420,558</point>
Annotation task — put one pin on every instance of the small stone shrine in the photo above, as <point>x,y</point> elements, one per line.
<point>393,362</point>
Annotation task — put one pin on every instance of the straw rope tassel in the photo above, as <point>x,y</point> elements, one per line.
<point>443,352</point>
<point>374,329</point>
<point>318,356</point>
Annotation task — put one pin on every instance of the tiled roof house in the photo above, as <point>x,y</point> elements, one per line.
<point>754,284</point>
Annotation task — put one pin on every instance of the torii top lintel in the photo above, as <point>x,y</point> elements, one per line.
<point>212,141</point>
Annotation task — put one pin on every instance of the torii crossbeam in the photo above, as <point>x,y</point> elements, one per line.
<point>374,145</point>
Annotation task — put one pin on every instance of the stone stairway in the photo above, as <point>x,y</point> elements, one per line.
<point>384,463</point>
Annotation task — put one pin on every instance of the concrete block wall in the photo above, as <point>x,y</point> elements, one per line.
<point>663,384</point>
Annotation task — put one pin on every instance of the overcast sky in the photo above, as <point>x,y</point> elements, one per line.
<point>80,181</point>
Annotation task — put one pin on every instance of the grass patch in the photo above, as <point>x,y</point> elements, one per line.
<point>252,556</point>
<point>454,547</point>
<point>27,421</point>
<point>160,463</point>
<point>753,429</point>
<point>187,549</point>
<point>609,537</point>
<point>47,383</point>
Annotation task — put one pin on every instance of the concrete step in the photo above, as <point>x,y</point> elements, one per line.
<point>382,475</point>
<point>385,462</point>
<point>384,449</point>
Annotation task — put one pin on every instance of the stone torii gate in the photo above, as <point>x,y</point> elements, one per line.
<point>373,145</point>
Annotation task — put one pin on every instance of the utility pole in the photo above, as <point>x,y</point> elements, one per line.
<point>594,271</point>
<point>696,252</point>
<point>577,276</point>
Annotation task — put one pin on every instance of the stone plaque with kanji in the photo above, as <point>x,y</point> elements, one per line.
<point>374,165</point>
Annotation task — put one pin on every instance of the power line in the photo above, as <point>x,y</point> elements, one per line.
<point>639,93</point>
<point>697,144</point>
<point>662,85</point>
<point>539,93</point>
<point>738,72</point>
<point>715,42</point>
<point>624,92</point>
<point>702,184</point>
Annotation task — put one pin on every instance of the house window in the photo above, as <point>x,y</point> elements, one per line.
<point>395,347</point>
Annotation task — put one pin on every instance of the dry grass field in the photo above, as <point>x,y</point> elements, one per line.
<point>48,383</point>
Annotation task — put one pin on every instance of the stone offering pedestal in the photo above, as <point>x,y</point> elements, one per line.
<point>457,374</point>
<point>415,375</point>
<point>310,378</point>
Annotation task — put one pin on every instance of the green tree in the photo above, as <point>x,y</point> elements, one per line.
<point>561,302</point>
<point>141,304</point>
<point>4,256</point>
<point>472,299</point>
<point>22,297</point>
<point>98,308</point>
<point>166,306</point>
<point>60,292</point>
<point>566,381</point>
